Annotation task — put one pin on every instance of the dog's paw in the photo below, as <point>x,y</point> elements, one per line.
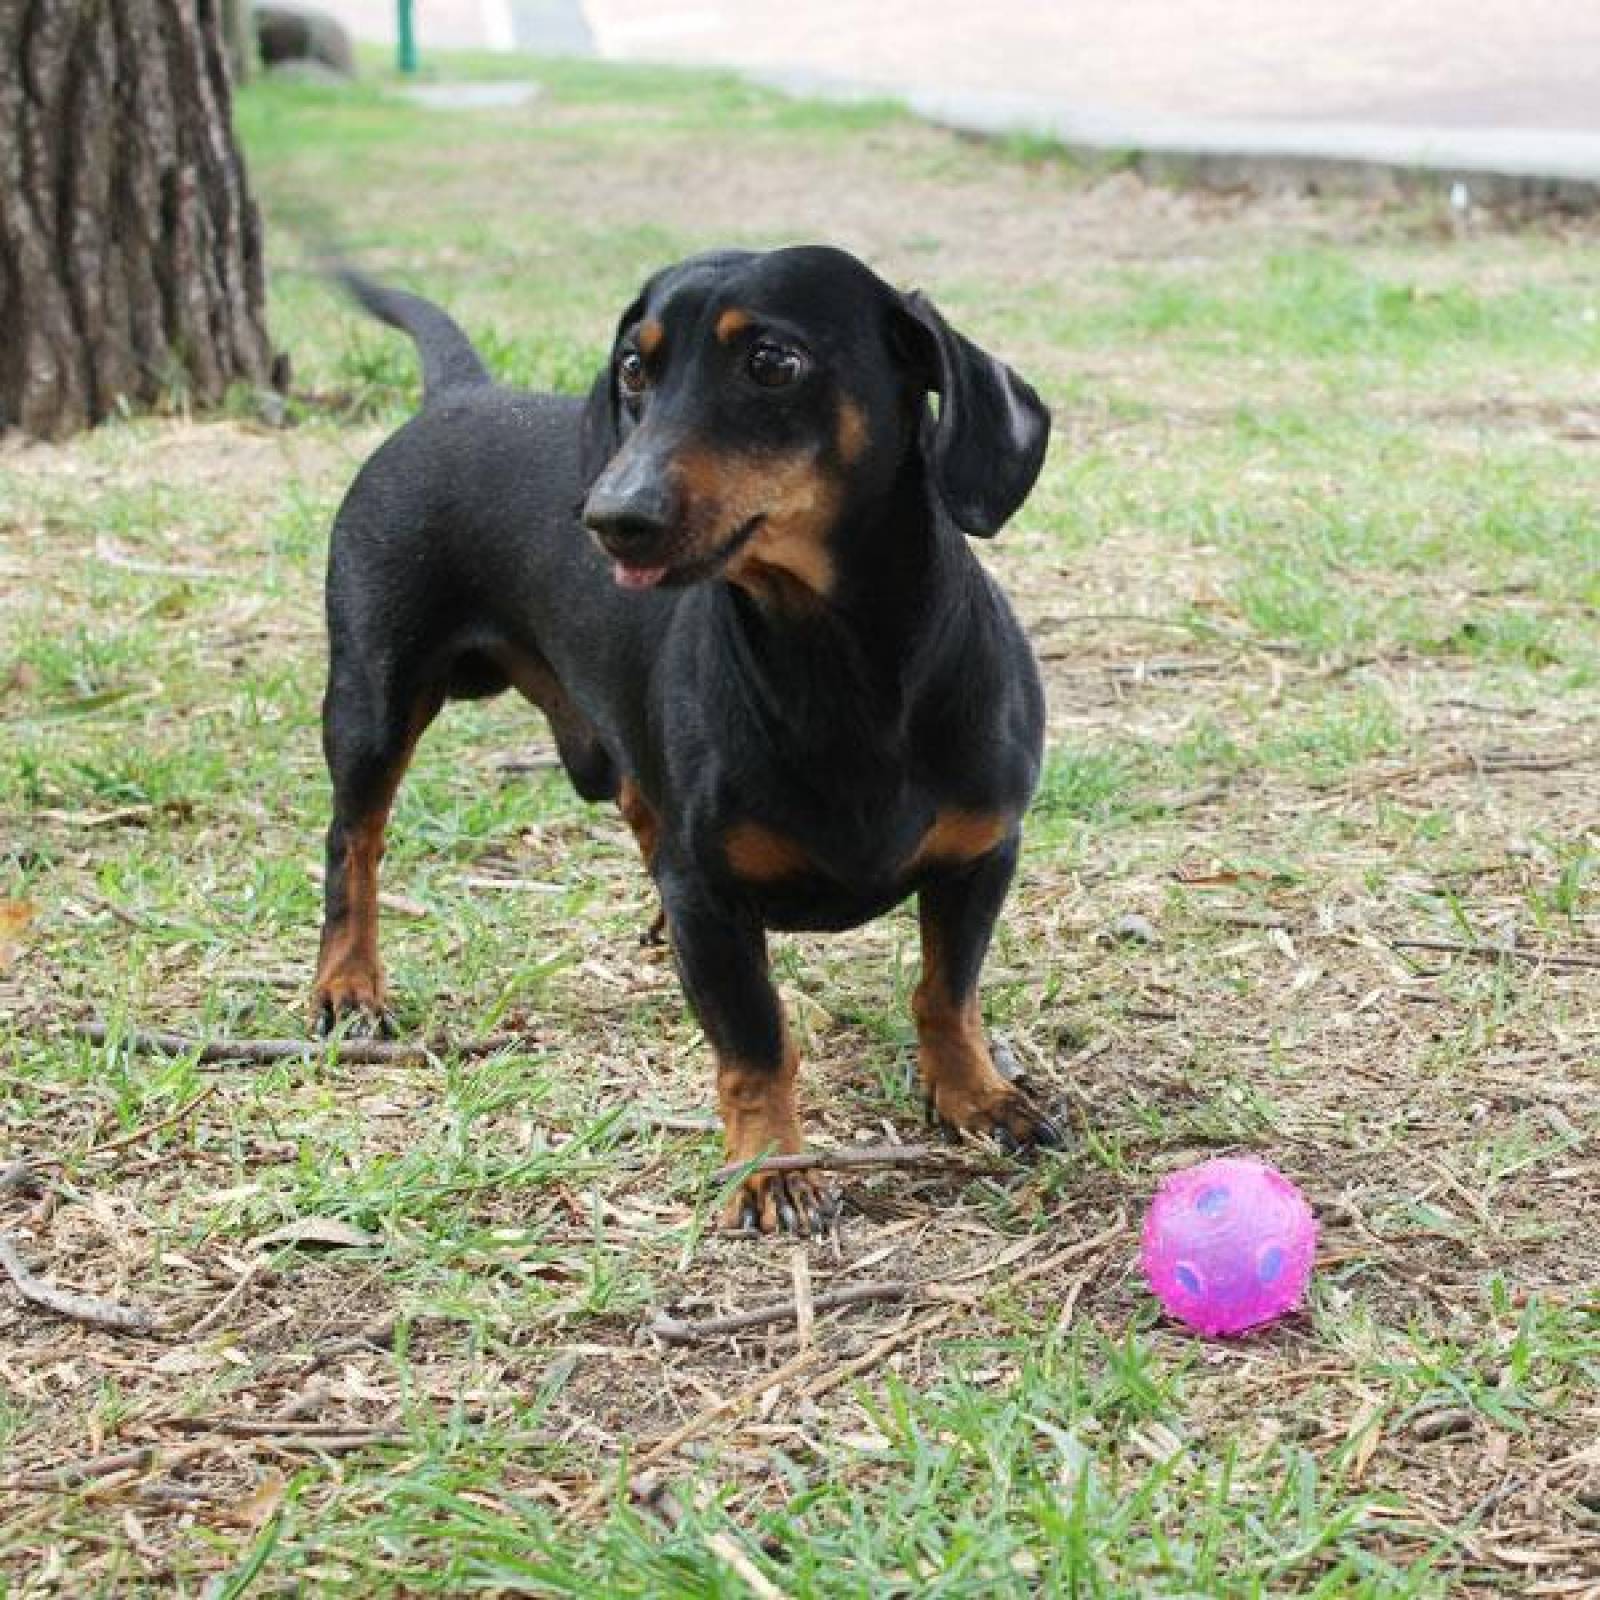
<point>353,1006</point>
<point>1008,1114</point>
<point>800,1203</point>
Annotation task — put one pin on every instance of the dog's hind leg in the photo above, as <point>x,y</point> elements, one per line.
<point>587,761</point>
<point>369,731</point>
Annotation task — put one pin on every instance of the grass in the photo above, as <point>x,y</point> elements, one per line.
<point>1313,574</point>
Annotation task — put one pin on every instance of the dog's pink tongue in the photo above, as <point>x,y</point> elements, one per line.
<point>636,577</point>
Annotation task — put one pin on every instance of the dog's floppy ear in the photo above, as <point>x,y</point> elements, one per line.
<point>600,428</point>
<point>987,444</point>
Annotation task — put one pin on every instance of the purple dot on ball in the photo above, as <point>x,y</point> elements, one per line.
<point>1212,1201</point>
<point>1269,1263</point>
<point>1186,1278</point>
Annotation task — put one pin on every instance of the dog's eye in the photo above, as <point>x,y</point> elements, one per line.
<point>773,366</point>
<point>630,372</point>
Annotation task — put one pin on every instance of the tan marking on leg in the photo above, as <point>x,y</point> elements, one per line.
<point>760,1117</point>
<point>760,854</point>
<point>349,973</point>
<point>958,836</point>
<point>731,324</point>
<point>958,1070</point>
<point>641,818</point>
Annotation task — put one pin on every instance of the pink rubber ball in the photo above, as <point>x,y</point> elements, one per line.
<point>1228,1245</point>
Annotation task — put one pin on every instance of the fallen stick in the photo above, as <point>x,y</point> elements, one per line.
<point>652,1495</point>
<point>209,1319</point>
<point>704,1420</point>
<point>274,1428</point>
<point>153,1127</point>
<point>870,1358</point>
<point>867,1155</point>
<point>375,1336</point>
<point>874,1353</point>
<point>1497,952</point>
<point>675,1330</point>
<point>358,1052</point>
<point>66,1303</point>
<point>75,1474</point>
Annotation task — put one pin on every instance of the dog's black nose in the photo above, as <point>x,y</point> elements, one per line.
<point>630,515</point>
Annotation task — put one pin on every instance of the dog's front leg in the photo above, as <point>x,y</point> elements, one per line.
<point>722,959</point>
<point>958,911</point>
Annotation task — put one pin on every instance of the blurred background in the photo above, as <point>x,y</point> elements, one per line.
<point>1415,63</point>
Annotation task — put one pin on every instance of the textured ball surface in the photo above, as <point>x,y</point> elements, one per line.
<point>1228,1245</point>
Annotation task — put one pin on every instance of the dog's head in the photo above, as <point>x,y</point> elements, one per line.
<point>753,401</point>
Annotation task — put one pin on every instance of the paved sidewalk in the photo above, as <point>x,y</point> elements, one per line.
<point>1506,86</point>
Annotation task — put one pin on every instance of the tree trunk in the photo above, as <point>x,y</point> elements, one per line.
<point>130,250</point>
<point>239,34</point>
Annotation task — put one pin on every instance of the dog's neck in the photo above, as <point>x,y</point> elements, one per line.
<point>824,677</point>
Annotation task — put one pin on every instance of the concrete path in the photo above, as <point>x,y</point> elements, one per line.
<point>1494,85</point>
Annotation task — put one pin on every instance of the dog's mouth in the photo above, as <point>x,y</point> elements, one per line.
<point>677,573</point>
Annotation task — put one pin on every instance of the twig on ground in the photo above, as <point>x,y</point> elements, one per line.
<point>377,1335</point>
<point>730,1405</point>
<point>66,1303</point>
<point>867,1155</point>
<point>875,1353</point>
<point>1481,763</point>
<point>674,1330</point>
<point>357,1052</point>
<point>75,1474</point>
<point>651,1494</point>
<point>152,1127</point>
<point>805,1305</point>
<point>274,1428</point>
<point>1498,952</point>
<point>209,1319</point>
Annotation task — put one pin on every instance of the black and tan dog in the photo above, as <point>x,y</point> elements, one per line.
<point>772,647</point>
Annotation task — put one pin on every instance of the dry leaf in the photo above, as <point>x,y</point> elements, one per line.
<point>262,1503</point>
<point>15,915</point>
<point>320,1233</point>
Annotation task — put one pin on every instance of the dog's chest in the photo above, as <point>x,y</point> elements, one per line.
<point>849,862</point>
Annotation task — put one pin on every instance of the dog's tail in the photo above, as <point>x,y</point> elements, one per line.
<point>448,359</point>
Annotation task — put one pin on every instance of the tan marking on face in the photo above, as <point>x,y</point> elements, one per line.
<point>760,854</point>
<point>958,836</point>
<point>731,324</point>
<point>649,337</point>
<point>851,434</point>
<point>787,559</point>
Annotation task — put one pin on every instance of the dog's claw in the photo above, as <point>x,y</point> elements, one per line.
<point>351,1022</point>
<point>779,1202</point>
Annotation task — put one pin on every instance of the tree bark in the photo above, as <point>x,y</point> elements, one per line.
<point>239,34</point>
<point>130,250</point>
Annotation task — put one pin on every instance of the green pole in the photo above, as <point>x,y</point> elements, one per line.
<point>408,39</point>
